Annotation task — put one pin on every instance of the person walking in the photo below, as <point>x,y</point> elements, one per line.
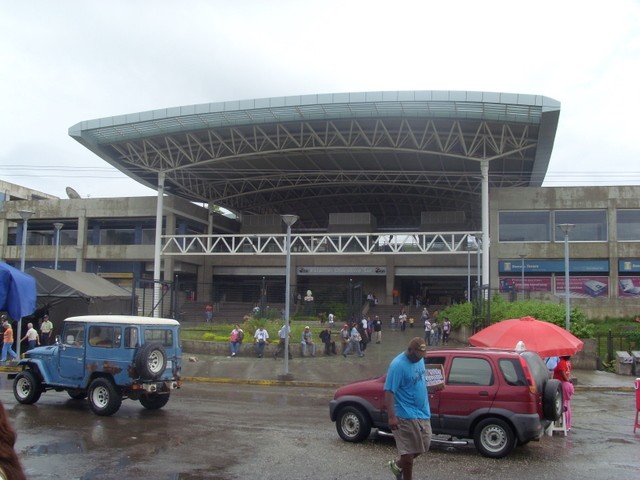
<point>208,312</point>
<point>377,329</point>
<point>31,337</point>
<point>7,342</point>
<point>407,401</point>
<point>45,330</point>
<point>283,333</point>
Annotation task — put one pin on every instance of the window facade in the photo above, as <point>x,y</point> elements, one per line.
<point>524,226</point>
<point>542,226</point>
<point>590,225</point>
<point>628,226</point>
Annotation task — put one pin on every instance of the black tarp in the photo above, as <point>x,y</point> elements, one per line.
<point>63,294</point>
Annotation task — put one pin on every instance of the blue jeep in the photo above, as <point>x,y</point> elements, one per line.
<point>106,358</point>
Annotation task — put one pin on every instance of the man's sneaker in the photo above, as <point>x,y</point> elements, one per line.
<point>393,466</point>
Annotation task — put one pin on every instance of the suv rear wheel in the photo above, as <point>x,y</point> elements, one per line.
<point>352,425</point>
<point>494,438</point>
<point>552,400</point>
<point>26,387</point>
<point>151,361</point>
<point>104,399</point>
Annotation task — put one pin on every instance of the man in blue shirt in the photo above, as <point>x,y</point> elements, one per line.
<point>407,401</point>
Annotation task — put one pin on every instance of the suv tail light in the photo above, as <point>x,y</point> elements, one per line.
<point>527,374</point>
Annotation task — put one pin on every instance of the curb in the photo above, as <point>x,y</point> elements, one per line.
<point>294,383</point>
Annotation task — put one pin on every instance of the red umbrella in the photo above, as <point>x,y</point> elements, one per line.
<point>547,339</point>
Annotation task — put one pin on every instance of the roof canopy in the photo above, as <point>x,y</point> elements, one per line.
<point>393,154</point>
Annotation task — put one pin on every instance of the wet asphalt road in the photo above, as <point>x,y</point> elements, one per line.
<point>222,431</point>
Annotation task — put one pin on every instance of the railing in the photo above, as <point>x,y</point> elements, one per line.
<point>409,243</point>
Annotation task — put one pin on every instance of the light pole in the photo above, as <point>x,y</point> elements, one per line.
<point>26,215</point>
<point>522,257</point>
<point>289,220</point>
<point>471,242</point>
<point>57,226</point>
<point>566,228</point>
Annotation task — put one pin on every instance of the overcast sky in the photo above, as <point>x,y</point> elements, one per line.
<point>63,62</point>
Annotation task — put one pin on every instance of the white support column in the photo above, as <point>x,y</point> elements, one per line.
<point>484,167</point>
<point>157,261</point>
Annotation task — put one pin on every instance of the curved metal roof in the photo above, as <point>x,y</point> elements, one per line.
<point>393,154</point>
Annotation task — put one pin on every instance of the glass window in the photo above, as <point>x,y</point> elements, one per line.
<point>162,336</point>
<point>73,334</point>
<point>628,225</point>
<point>524,226</point>
<point>470,371</point>
<point>104,336</point>
<point>590,225</point>
<point>130,337</point>
<point>512,372</point>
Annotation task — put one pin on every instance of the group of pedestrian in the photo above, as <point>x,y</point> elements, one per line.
<point>435,333</point>
<point>32,337</point>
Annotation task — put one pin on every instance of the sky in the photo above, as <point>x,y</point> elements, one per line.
<point>66,61</point>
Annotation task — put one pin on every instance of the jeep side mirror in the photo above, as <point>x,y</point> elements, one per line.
<point>57,339</point>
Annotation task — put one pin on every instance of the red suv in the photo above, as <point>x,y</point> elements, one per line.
<point>498,398</point>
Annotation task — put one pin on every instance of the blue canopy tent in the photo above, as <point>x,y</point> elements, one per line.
<point>17,292</point>
<point>17,296</point>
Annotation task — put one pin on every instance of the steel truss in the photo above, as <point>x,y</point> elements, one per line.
<point>407,243</point>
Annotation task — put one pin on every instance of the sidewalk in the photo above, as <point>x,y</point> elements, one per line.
<point>334,371</point>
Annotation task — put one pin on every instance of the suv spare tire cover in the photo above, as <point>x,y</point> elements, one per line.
<point>151,361</point>
<point>552,400</point>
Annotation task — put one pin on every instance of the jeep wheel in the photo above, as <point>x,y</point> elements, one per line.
<point>154,401</point>
<point>77,394</point>
<point>494,438</point>
<point>104,399</point>
<point>151,361</point>
<point>552,400</point>
<point>26,387</point>
<point>352,425</point>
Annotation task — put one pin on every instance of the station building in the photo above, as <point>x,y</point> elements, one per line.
<point>422,194</point>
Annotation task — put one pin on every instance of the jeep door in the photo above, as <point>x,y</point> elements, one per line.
<point>71,354</point>
<point>470,390</point>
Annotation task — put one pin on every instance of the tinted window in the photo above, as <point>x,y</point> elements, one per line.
<point>163,336</point>
<point>590,225</point>
<point>512,372</point>
<point>470,371</point>
<point>524,226</point>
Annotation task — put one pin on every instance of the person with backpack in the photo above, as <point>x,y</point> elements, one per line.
<point>235,339</point>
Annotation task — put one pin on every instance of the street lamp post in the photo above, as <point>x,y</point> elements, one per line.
<point>57,226</point>
<point>26,215</point>
<point>289,220</point>
<point>566,228</point>
<point>522,257</point>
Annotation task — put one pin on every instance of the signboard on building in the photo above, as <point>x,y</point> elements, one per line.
<point>348,270</point>
<point>553,266</point>
<point>584,286</point>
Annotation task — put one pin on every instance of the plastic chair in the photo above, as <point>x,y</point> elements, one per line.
<point>558,426</point>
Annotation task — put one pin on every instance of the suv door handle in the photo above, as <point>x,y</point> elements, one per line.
<point>483,393</point>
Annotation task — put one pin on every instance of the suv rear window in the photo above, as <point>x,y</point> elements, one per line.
<point>470,371</point>
<point>162,336</point>
<point>512,372</point>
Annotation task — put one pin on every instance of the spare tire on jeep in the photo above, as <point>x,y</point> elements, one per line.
<point>151,361</point>
<point>552,400</point>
